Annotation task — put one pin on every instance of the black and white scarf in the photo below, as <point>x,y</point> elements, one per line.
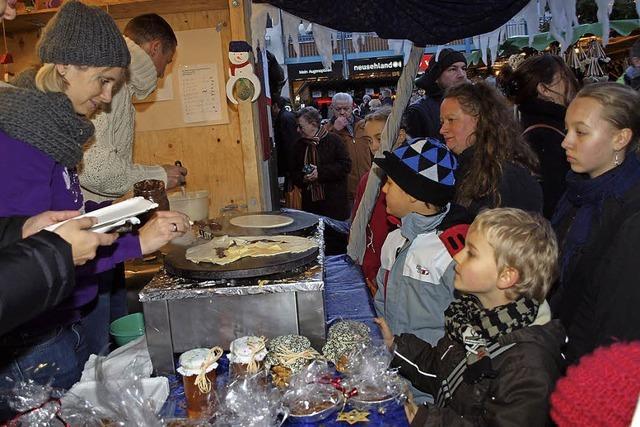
<point>466,311</point>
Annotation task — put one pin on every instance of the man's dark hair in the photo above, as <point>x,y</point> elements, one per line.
<point>149,27</point>
<point>280,101</point>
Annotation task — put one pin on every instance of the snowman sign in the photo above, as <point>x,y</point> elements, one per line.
<point>243,84</point>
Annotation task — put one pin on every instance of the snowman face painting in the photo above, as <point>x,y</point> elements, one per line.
<point>238,58</point>
<point>243,84</point>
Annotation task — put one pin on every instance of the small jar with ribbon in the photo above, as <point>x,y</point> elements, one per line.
<point>198,370</point>
<point>246,356</point>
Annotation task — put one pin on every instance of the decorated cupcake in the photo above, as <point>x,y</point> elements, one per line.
<point>344,337</point>
<point>288,354</point>
<point>246,355</point>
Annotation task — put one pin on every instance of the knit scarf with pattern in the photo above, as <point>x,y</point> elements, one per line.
<point>311,158</point>
<point>490,324</point>
<point>47,121</point>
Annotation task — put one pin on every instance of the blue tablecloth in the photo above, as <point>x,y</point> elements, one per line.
<point>346,297</point>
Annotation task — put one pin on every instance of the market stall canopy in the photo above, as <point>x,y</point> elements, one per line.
<point>421,21</point>
<point>624,27</point>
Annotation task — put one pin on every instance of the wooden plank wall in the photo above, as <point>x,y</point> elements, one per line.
<point>224,159</point>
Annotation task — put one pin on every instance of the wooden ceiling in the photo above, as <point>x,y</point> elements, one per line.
<point>37,18</point>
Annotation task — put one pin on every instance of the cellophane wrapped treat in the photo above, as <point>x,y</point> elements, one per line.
<point>122,402</point>
<point>370,376</point>
<point>288,355</point>
<point>37,405</point>
<point>344,338</point>
<point>311,397</point>
<point>248,402</point>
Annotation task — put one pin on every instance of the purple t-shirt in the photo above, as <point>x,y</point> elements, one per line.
<point>33,182</point>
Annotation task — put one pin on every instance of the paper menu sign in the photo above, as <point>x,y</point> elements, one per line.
<point>199,91</point>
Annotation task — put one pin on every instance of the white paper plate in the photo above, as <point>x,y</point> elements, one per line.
<point>115,215</point>
<point>261,221</point>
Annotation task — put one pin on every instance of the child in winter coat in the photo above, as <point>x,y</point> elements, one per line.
<point>500,357</point>
<point>415,280</point>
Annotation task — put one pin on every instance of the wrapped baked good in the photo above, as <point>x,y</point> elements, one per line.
<point>311,396</point>
<point>249,403</point>
<point>287,355</point>
<point>345,337</point>
<point>246,355</point>
<point>377,386</point>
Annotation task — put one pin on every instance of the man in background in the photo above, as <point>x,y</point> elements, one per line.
<point>285,135</point>
<point>385,97</point>
<point>350,129</point>
<point>423,117</point>
<point>109,171</point>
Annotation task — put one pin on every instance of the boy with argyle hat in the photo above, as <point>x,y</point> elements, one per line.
<point>415,280</point>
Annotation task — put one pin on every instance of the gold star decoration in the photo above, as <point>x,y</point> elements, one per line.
<point>353,417</point>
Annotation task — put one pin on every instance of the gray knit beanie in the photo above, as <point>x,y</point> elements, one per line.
<point>83,35</point>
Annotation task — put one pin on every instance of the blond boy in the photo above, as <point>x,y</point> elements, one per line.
<point>500,356</point>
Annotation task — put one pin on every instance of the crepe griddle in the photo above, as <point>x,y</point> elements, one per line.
<point>302,222</point>
<point>177,265</point>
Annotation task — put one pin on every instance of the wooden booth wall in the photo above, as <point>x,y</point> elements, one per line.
<point>224,159</point>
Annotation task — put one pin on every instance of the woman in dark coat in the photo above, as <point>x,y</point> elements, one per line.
<point>496,165</point>
<point>542,87</point>
<point>322,165</point>
<point>598,220</point>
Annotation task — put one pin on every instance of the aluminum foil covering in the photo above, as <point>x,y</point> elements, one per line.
<point>309,278</point>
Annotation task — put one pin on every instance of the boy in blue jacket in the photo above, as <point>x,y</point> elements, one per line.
<point>415,280</point>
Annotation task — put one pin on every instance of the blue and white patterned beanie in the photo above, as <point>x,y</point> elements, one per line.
<point>423,168</point>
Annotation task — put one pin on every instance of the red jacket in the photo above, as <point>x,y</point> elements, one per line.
<point>377,231</point>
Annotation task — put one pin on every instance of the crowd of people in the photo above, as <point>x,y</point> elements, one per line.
<point>500,249</point>
<point>507,217</point>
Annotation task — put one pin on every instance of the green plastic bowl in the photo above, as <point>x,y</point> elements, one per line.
<point>127,328</point>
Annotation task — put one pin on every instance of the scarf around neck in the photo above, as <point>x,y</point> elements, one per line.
<point>311,158</point>
<point>46,121</point>
<point>584,200</point>
<point>466,311</point>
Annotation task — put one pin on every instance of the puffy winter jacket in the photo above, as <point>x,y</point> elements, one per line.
<point>518,395</point>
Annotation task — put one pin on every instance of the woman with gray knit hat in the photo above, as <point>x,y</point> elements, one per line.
<point>41,137</point>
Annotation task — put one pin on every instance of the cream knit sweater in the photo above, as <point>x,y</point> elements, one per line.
<point>108,171</point>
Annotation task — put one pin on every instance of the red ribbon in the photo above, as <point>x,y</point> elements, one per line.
<point>337,384</point>
<point>15,421</point>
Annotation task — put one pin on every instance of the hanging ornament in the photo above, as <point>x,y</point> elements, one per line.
<point>514,61</point>
<point>594,72</point>
<point>572,58</point>
<point>596,50</point>
<point>554,49</point>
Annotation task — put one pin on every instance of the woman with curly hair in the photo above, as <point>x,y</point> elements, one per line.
<point>496,165</point>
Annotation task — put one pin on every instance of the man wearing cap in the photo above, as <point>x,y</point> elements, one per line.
<point>631,76</point>
<point>423,117</point>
